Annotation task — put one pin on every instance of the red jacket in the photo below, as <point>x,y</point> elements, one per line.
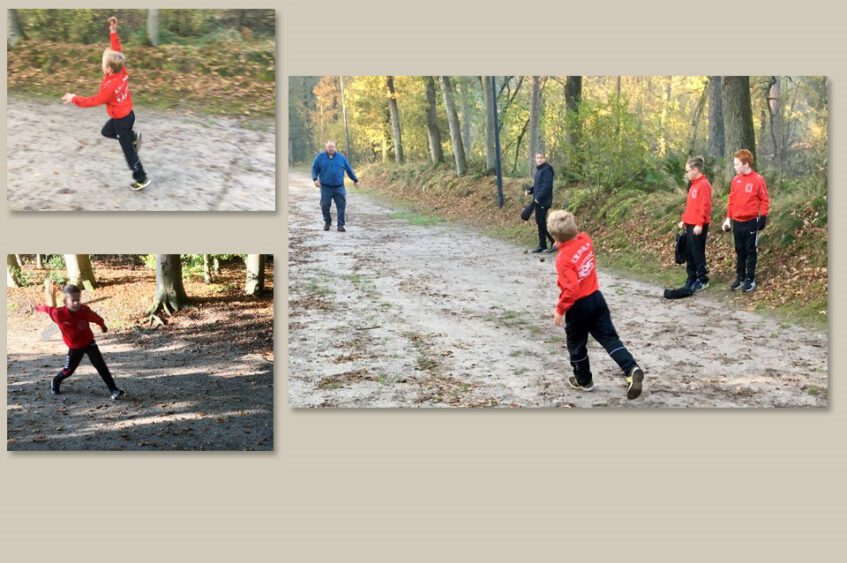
<point>748,197</point>
<point>114,91</point>
<point>74,324</point>
<point>577,270</point>
<point>698,206</point>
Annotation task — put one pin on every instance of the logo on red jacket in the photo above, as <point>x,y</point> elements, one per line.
<point>586,268</point>
<point>748,188</point>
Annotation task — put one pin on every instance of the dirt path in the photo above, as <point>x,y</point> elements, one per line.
<point>392,314</point>
<point>202,382</point>
<point>57,160</point>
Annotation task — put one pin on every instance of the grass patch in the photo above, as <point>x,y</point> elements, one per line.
<point>416,218</point>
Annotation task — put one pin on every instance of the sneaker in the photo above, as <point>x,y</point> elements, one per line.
<point>736,284</point>
<point>551,250</point>
<point>116,394</point>
<point>575,384</point>
<point>689,284</point>
<point>341,229</point>
<point>139,185</point>
<point>634,380</point>
<point>54,386</point>
<point>699,286</point>
<point>327,226</point>
<point>749,286</point>
<point>137,142</point>
<point>538,249</point>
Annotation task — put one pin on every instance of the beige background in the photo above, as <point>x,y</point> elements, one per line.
<point>457,486</point>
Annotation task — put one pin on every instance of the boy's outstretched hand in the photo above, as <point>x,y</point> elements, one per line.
<point>104,329</point>
<point>66,99</point>
<point>113,24</point>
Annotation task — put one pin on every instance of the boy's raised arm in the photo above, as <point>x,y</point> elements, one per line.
<point>113,34</point>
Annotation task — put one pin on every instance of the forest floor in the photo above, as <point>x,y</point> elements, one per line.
<point>196,162</point>
<point>406,311</point>
<point>203,381</point>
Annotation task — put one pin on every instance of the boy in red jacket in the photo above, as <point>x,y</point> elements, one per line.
<point>695,221</point>
<point>582,307</point>
<point>73,320</point>
<point>746,214</point>
<point>114,92</point>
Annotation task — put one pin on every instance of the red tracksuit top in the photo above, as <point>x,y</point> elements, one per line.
<point>577,270</point>
<point>748,197</point>
<point>114,90</point>
<point>698,206</point>
<point>74,324</point>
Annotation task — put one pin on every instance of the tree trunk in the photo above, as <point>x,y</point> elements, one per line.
<point>13,272</point>
<point>434,134</point>
<point>153,27</point>
<point>14,29</point>
<point>19,260</point>
<point>255,274</point>
<point>488,103</point>
<point>573,127</point>
<point>170,293</point>
<point>775,113</point>
<point>695,120</point>
<point>207,269</point>
<point>38,264</point>
<point>455,128</point>
<point>395,119</point>
<point>738,117</point>
<point>216,266</point>
<point>465,94</point>
<point>534,110</point>
<point>348,147</point>
<point>716,133</point>
<point>80,271</point>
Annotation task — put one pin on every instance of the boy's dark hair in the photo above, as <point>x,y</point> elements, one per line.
<point>697,162</point>
<point>70,289</point>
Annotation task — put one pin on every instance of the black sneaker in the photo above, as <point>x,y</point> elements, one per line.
<point>341,229</point>
<point>538,249</point>
<point>736,284</point>
<point>116,394</point>
<point>699,286</point>
<point>749,286</point>
<point>689,284</point>
<point>635,380</point>
<point>54,386</point>
<point>327,226</point>
<point>551,250</point>
<point>575,384</point>
<point>137,142</point>
<point>139,184</point>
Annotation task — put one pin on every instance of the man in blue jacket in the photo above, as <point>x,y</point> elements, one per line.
<point>328,174</point>
<point>542,192</point>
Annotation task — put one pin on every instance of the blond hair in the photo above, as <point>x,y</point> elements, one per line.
<point>115,60</point>
<point>561,225</point>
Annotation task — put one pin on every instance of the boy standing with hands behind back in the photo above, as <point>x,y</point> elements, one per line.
<point>114,92</point>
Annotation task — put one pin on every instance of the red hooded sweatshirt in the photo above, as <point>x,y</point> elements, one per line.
<point>577,270</point>
<point>114,91</point>
<point>698,206</point>
<point>74,324</point>
<point>748,197</point>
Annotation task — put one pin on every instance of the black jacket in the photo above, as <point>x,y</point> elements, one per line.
<point>542,189</point>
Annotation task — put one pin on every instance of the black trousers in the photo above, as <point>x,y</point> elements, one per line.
<point>695,258</point>
<point>746,253</point>
<point>590,315</point>
<point>121,129</point>
<point>93,352</point>
<point>541,221</point>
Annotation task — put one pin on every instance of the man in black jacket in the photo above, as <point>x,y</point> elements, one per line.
<point>542,191</point>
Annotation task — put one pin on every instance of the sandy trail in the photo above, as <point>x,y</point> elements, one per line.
<point>57,160</point>
<point>390,314</point>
